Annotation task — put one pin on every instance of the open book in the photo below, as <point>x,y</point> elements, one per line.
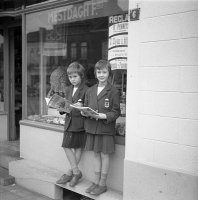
<point>58,102</point>
<point>87,110</point>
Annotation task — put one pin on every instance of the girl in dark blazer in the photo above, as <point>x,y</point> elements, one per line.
<point>104,98</point>
<point>74,133</point>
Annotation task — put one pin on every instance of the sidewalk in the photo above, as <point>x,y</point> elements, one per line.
<point>15,192</point>
<point>9,150</point>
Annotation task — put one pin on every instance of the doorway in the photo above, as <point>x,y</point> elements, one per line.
<point>15,82</point>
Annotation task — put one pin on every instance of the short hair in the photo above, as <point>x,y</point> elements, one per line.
<point>101,64</point>
<point>76,67</point>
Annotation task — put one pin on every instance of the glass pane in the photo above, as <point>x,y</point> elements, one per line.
<point>83,50</point>
<point>73,51</point>
<point>51,47</point>
<point>1,72</point>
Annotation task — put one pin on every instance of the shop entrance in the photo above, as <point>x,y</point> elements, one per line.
<point>15,82</point>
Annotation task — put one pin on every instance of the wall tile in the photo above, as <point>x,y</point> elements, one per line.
<point>146,151</point>
<point>158,128</point>
<point>189,79</point>
<point>170,53</point>
<point>189,24</point>
<point>180,157</point>
<point>161,28</point>
<point>160,103</point>
<point>188,132</point>
<point>189,105</point>
<point>159,78</point>
<point>161,8</point>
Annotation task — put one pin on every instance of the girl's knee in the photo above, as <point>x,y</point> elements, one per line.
<point>104,155</point>
<point>96,154</point>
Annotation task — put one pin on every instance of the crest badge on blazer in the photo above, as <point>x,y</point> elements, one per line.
<point>106,103</point>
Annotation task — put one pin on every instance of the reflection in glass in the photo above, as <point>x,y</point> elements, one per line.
<point>51,47</point>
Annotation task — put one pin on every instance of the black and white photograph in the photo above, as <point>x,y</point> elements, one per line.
<point>98,99</point>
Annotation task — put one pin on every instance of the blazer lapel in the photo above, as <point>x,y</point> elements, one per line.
<point>70,93</point>
<point>94,98</point>
<point>77,93</point>
<point>104,91</point>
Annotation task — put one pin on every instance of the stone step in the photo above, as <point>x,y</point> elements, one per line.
<point>9,151</point>
<point>42,179</point>
<point>5,178</point>
<point>84,184</point>
<point>7,156</point>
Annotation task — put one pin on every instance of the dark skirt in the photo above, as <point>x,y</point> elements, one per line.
<point>100,143</point>
<point>74,140</point>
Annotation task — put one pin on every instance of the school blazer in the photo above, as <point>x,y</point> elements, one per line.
<point>74,121</point>
<point>103,126</point>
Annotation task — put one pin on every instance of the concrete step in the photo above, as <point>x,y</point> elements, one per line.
<point>42,179</point>
<point>9,151</point>
<point>84,184</point>
<point>7,155</point>
<point>5,178</point>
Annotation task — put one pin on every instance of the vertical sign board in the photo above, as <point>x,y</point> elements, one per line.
<point>118,41</point>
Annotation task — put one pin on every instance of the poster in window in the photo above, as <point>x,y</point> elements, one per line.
<point>118,41</point>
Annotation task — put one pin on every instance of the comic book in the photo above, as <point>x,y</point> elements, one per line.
<point>58,102</point>
<point>87,110</point>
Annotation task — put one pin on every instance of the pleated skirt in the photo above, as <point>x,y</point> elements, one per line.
<point>74,140</point>
<point>100,143</point>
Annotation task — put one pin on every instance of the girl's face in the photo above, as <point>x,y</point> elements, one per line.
<point>74,79</point>
<point>102,75</point>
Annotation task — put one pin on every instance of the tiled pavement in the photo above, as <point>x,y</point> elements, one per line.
<point>10,151</point>
<point>15,192</point>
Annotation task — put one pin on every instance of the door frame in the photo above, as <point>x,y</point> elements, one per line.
<point>11,83</point>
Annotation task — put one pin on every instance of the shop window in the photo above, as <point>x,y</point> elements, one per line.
<point>51,47</point>
<point>83,49</point>
<point>1,72</point>
<point>73,51</point>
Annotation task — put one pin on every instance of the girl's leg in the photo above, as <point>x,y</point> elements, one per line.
<point>72,160</point>
<point>71,155</point>
<point>78,153</point>
<point>105,169</point>
<point>101,188</point>
<point>68,176</point>
<point>97,172</point>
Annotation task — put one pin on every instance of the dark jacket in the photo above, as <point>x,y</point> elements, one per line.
<point>74,121</point>
<point>111,109</point>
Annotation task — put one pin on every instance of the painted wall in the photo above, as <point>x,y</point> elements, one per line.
<point>44,146</point>
<point>162,100</point>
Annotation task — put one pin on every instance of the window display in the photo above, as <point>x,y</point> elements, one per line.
<point>51,47</point>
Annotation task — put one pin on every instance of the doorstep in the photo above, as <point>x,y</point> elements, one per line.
<point>84,184</point>
<point>5,178</point>
<point>42,179</point>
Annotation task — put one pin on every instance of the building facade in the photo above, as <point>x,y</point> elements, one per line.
<point>157,157</point>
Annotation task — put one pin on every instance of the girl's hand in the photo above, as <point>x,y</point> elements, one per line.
<point>100,116</point>
<point>83,114</point>
<point>78,104</point>
<point>61,109</point>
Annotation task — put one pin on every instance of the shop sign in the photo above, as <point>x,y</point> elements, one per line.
<point>135,14</point>
<point>118,28</point>
<point>86,10</point>
<point>118,64</point>
<point>120,52</point>
<point>118,41</point>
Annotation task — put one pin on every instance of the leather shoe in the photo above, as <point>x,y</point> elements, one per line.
<point>90,188</point>
<point>75,179</point>
<point>99,190</point>
<point>64,179</point>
